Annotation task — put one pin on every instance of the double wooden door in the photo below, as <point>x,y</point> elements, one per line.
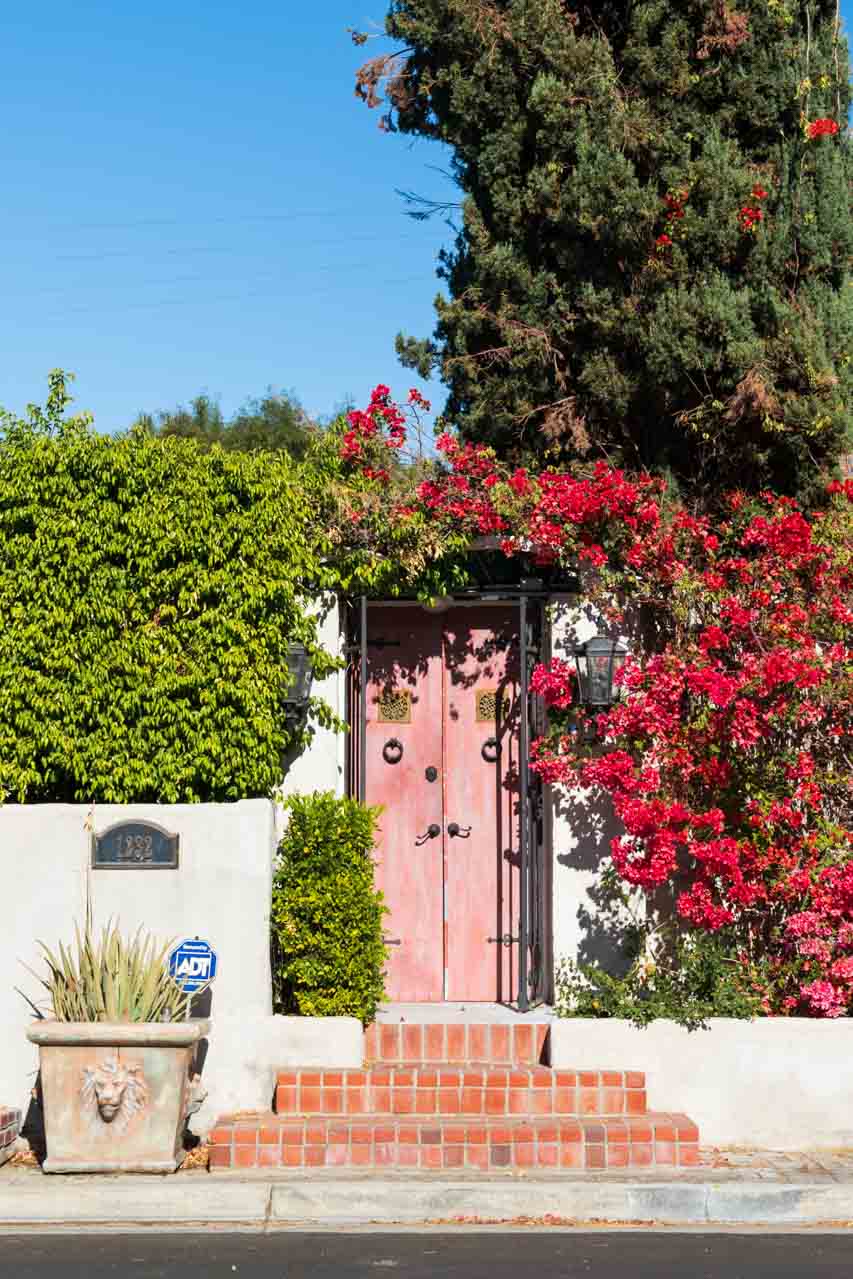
<point>442,761</point>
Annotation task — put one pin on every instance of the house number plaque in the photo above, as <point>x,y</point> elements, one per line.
<point>135,846</point>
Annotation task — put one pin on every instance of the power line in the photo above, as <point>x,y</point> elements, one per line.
<point>196,221</point>
<point>223,248</point>
<point>75,289</point>
<point>235,297</point>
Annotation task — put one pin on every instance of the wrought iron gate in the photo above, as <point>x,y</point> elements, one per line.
<point>534,923</point>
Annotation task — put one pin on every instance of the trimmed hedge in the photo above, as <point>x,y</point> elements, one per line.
<point>148,593</point>
<point>328,953</point>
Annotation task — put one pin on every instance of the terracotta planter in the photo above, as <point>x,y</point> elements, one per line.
<point>116,1096</point>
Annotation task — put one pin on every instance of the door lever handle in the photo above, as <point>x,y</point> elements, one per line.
<point>455,831</point>
<point>432,832</point>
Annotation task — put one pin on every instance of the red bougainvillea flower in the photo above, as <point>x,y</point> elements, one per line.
<point>821,127</point>
<point>750,217</point>
<point>554,683</point>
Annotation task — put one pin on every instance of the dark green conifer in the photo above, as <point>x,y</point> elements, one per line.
<point>654,255</point>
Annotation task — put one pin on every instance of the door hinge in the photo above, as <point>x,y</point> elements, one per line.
<point>506,940</point>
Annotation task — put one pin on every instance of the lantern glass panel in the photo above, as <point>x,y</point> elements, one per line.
<point>598,661</point>
<point>299,669</point>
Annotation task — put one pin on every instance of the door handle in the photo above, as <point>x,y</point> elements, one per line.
<point>432,832</point>
<point>455,831</point>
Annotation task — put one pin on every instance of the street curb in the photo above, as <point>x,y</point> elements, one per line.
<point>224,1200</point>
<point>131,1200</point>
<point>410,1200</point>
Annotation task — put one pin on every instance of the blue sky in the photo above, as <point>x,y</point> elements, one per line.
<point>196,201</point>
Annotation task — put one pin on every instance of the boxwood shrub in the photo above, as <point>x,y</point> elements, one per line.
<point>328,953</point>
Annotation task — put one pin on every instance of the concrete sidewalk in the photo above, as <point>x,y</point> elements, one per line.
<point>749,1190</point>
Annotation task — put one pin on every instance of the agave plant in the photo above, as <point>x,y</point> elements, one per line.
<point>113,979</point>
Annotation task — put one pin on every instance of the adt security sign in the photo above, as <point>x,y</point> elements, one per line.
<point>193,964</point>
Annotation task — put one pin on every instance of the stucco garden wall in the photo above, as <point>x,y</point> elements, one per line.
<point>586,929</point>
<point>220,892</point>
<point>321,766</point>
<point>780,1083</point>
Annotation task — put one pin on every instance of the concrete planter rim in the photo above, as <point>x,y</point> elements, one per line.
<point>110,1034</point>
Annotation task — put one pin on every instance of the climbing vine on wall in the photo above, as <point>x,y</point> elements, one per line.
<point>148,595</point>
<point>728,755</point>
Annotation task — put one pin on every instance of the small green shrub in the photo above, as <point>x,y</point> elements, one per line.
<point>327,948</point>
<point>695,978</point>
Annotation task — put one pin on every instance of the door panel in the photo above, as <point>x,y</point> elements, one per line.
<point>444,687</point>
<point>404,705</point>
<point>481,793</point>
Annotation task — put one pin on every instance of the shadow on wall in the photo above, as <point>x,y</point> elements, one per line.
<point>602,929</point>
<point>605,922</point>
<point>324,609</point>
<point>606,925</point>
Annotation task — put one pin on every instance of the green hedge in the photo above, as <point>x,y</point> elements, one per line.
<point>327,947</point>
<point>148,592</point>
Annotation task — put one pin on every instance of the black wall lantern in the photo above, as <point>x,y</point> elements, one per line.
<point>299,670</point>
<point>598,661</point>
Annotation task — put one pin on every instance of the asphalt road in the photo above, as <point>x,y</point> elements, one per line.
<point>492,1255</point>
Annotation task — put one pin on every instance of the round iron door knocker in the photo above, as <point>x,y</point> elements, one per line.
<point>392,751</point>
<point>491,750</point>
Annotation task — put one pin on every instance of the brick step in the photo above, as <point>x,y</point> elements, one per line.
<point>524,1044</point>
<point>460,1090</point>
<point>269,1141</point>
<point>10,1124</point>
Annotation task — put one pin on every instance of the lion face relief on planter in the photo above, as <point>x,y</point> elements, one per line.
<point>113,1092</point>
<point>117,1059</point>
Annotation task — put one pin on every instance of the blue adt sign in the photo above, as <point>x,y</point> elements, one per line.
<point>193,964</point>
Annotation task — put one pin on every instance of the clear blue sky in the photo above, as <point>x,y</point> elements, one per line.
<point>195,200</point>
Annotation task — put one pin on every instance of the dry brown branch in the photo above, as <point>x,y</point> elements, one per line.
<point>752,399</point>
<point>562,419</point>
<point>725,31</point>
<point>490,24</point>
<point>492,355</point>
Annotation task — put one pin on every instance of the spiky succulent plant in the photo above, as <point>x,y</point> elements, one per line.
<point>112,978</point>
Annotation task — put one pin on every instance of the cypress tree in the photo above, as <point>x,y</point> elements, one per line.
<point>652,259</point>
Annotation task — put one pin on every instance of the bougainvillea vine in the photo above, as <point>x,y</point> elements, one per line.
<point>727,757</point>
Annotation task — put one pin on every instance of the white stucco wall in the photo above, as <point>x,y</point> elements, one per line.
<point>585,927</point>
<point>779,1083</point>
<point>220,892</point>
<point>321,766</point>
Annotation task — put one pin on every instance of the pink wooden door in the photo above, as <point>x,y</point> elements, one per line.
<point>404,734</point>
<point>481,797</point>
<point>442,732</point>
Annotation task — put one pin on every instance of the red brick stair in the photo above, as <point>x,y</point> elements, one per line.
<point>267,1141</point>
<point>469,1090</point>
<point>455,1096</point>
<point>497,1044</point>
